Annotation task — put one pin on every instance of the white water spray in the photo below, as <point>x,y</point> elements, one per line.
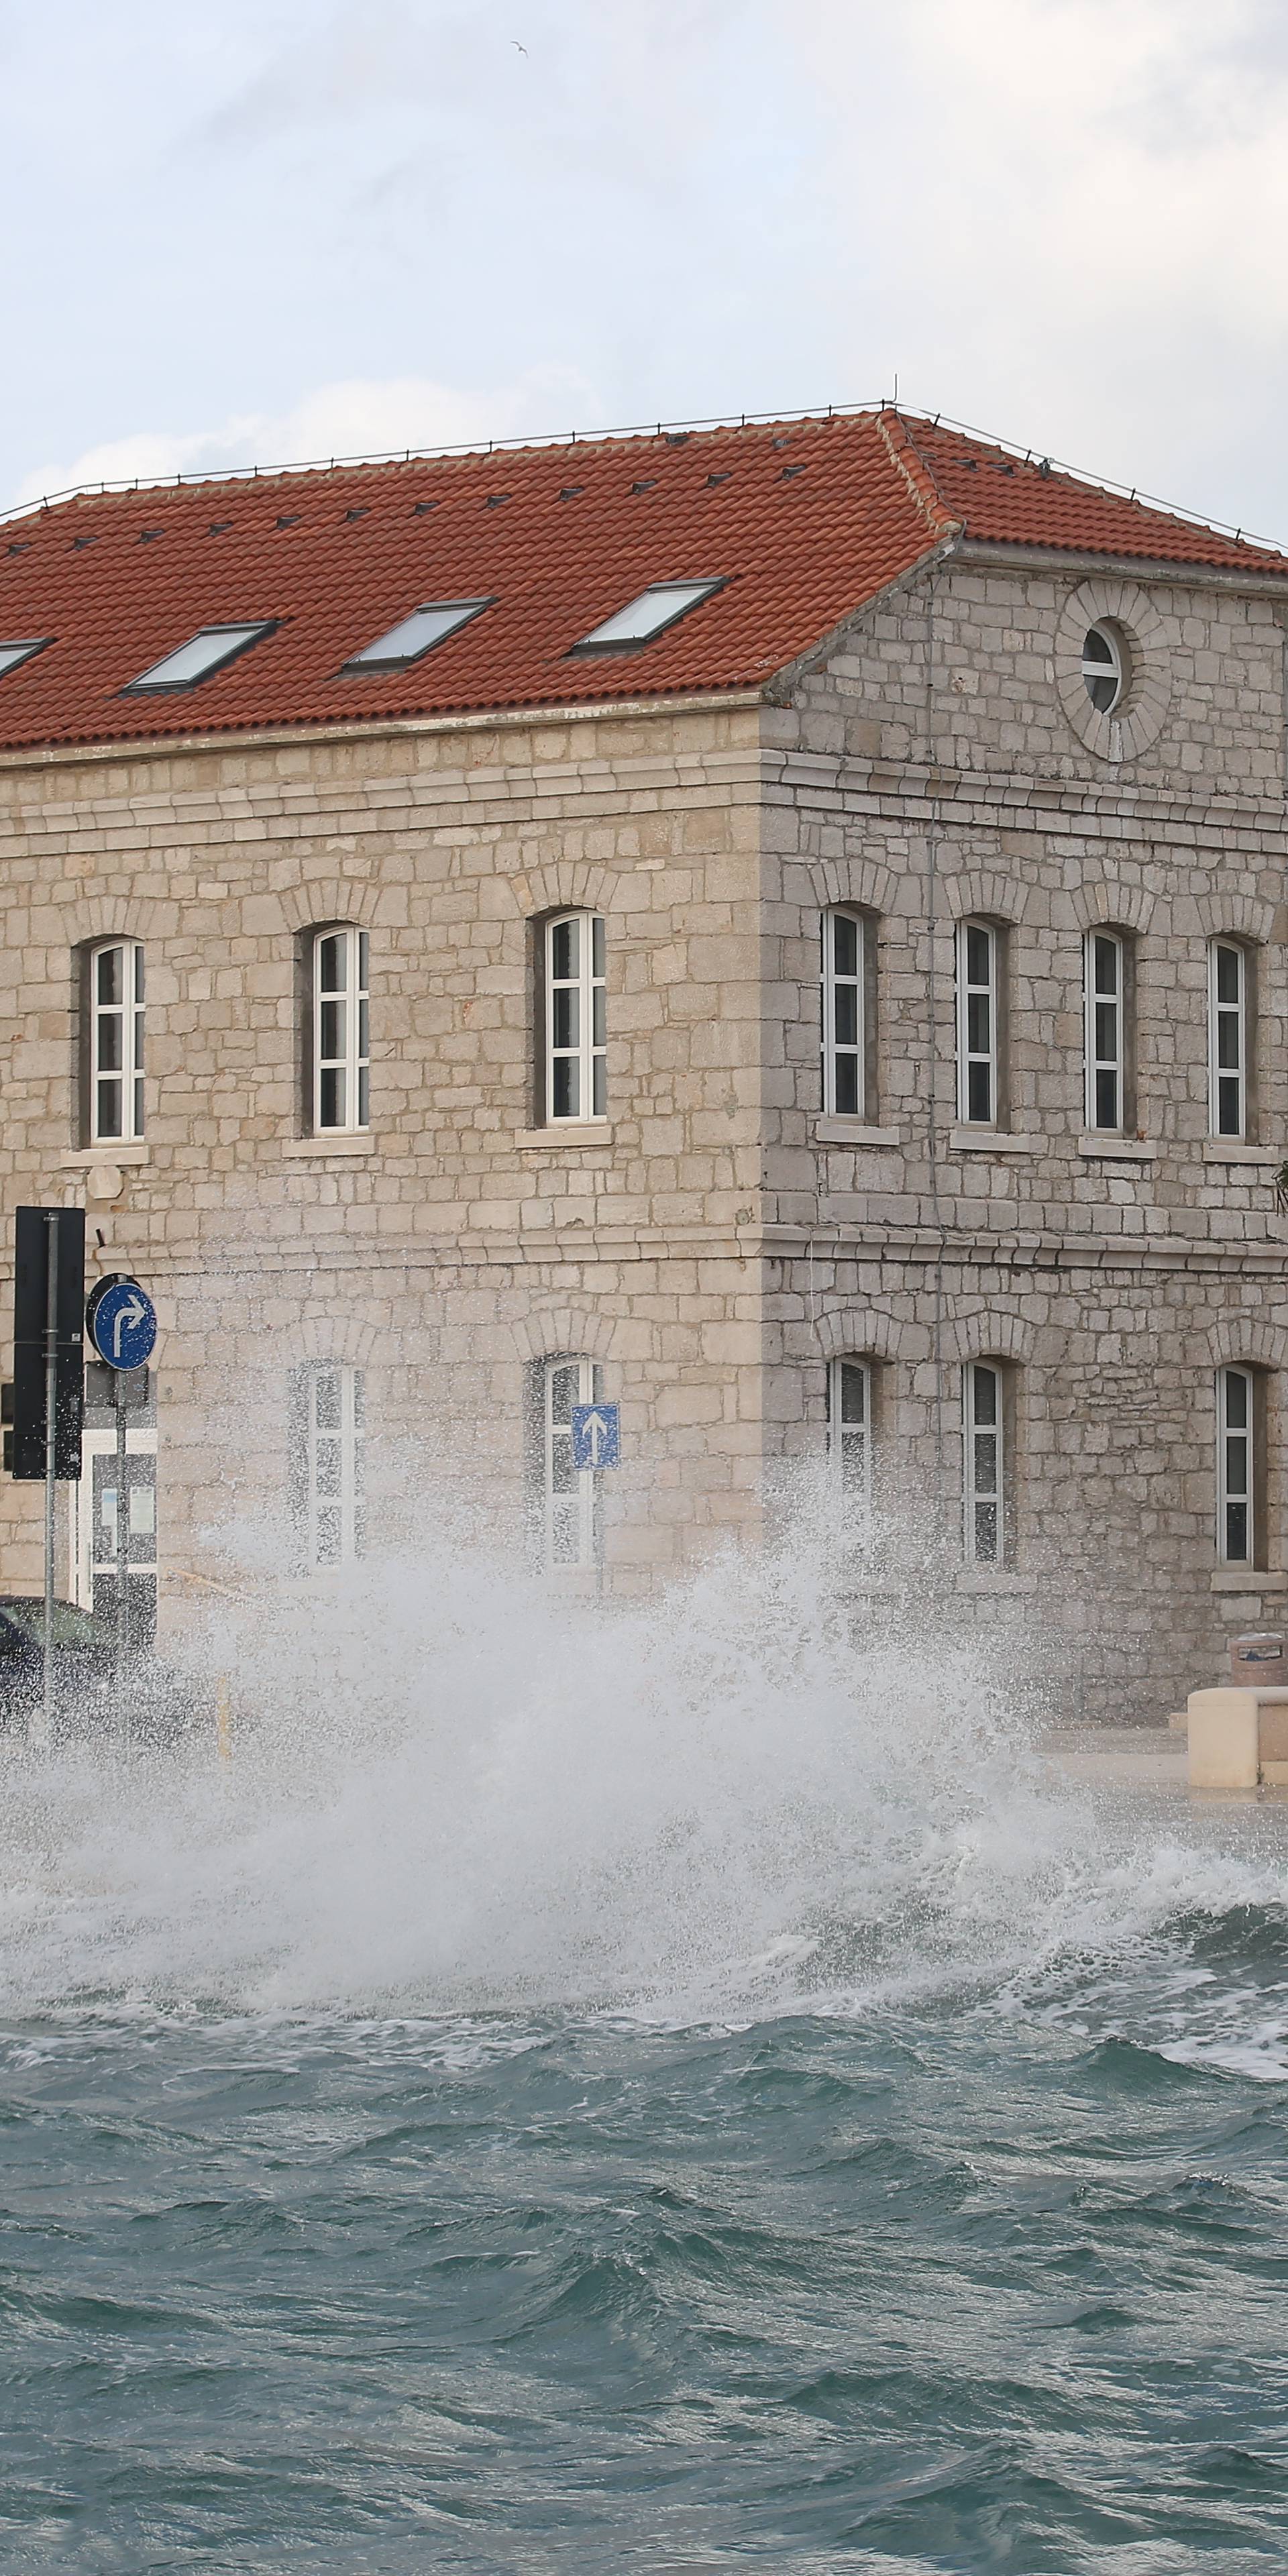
<point>793,1780</point>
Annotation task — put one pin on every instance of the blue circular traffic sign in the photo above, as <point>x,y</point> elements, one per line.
<point>123,1324</point>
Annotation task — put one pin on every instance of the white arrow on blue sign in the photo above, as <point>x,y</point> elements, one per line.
<point>596,1435</point>
<point>123,1326</point>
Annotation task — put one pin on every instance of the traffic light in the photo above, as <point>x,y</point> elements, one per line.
<point>40,1232</point>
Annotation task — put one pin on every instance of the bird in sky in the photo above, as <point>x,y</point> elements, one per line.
<point>519,49</point>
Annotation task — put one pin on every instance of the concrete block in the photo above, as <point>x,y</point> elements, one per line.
<point>1224,1739</point>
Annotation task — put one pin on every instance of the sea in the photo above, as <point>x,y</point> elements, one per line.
<point>676,2087</point>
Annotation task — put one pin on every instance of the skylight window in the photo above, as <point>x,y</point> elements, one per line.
<point>416,634</point>
<point>656,608</point>
<point>12,654</point>
<point>207,652</point>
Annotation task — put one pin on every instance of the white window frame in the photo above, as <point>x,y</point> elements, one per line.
<point>1236,1464</point>
<point>569,1495</point>
<point>849,1442</point>
<point>1114,669</point>
<point>968,989</point>
<point>984,1491</point>
<point>350,1057</point>
<point>836,991</point>
<point>1225,1017</point>
<point>1112,1063</point>
<point>578,1039</point>
<point>332,1477</point>
<point>128,1016</point>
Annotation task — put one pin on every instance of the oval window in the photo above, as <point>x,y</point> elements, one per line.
<point>1102,668</point>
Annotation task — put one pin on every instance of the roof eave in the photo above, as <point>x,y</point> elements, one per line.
<point>1081,562</point>
<point>233,740</point>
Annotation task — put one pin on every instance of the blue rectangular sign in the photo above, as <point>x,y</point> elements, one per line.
<point>596,1436</point>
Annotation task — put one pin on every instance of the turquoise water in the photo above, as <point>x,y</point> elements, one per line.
<point>692,2125</point>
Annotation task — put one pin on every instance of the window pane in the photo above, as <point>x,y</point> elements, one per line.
<point>364,957</point>
<point>1236,1400</point>
<point>1236,1531</point>
<point>563,950</point>
<point>565,1087</point>
<point>1106,965</point>
<point>978,945</point>
<point>1227,1093</point>
<point>331,964</point>
<point>565,1016</point>
<point>109,1042</point>
<point>364,1028</point>
<point>600,1005</point>
<point>328,1467</point>
<point>986,1533</point>
<point>845,943</point>
<point>853,1391</point>
<point>331,1097</point>
<point>138,971</point>
<point>979,1093</point>
<point>364,1097</point>
<point>985,1391</point>
<point>327,1399</point>
<point>331,1030</point>
<point>1227,974</point>
<point>110,965</point>
<point>597,945</point>
<point>600,1087</point>
<point>330,1535</point>
<point>985,1463</point>
<point>1106,1029</point>
<point>847,1086</point>
<point>978,1024</point>
<point>563,1392</point>
<point>1106,1100</point>
<point>108,1119</point>
<point>138,1104</point>
<point>847,1014</point>
<point>138,1041</point>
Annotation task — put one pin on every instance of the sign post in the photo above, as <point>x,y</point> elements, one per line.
<point>48,1382</point>
<point>596,1437</point>
<point>122,1324</point>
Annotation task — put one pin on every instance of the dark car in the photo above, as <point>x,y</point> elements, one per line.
<point>142,1700</point>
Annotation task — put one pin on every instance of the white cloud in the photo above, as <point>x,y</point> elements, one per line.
<point>357,418</point>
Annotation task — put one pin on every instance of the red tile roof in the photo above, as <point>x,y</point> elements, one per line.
<point>803,520</point>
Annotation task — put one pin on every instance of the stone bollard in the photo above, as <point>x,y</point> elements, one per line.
<point>1224,1736</point>
<point>1258,1661</point>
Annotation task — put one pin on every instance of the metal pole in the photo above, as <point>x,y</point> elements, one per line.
<point>51,1488</point>
<point>122,1537</point>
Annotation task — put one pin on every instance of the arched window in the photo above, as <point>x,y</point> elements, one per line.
<point>1108,995</point>
<point>979,1005</point>
<point>340,1071</point>
<point>1229,1014</point>
<point>845,1013</point>
<point>849,1426</point>
<point>328,1413</point>
<point>985,1462</point>
<point>1238,1464</point>
<point>567,1493</point>
<point>576,1034</point>
<point>116,1042</point>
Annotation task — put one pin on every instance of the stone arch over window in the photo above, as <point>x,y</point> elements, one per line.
<point>548,1334</point>
<point>988,1333</point>
<point>320,901</point>
<point>561,885</point>
<point>1244,1341</point>
<point>859,883</point>
<point>848,1328</point>
<point>1111,903</point>
<point>1224,913</point>
<point>113,916</point>
<point>343,1340</point>
<point>985,894</point>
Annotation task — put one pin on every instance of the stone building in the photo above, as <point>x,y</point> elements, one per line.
<point>780,927</point>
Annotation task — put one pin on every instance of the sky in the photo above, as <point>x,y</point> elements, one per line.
<point>267,231</point>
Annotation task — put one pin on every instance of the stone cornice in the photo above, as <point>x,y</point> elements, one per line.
<point>1179,576</point>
